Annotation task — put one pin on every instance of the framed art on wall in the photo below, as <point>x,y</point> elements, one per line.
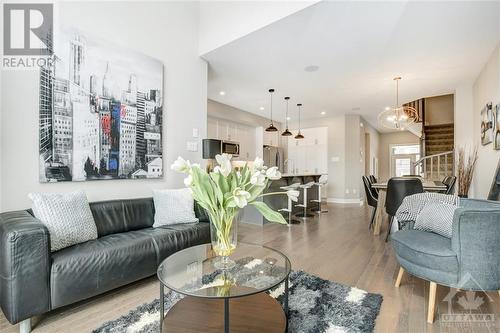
<point>101,111</point>
<point>496,135</point>
<point>487,124</point>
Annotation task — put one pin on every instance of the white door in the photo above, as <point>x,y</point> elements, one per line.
<point>403,165</point>
<point>403,158</point>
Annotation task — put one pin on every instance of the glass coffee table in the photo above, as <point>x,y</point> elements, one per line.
<point>233,300</point>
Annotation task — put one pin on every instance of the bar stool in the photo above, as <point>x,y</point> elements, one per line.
<point>305,214</point>
<point>289,209</point>
<point>322,181</point>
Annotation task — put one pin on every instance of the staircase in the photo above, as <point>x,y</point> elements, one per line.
<point>438,142</point>
<point>438,139</point>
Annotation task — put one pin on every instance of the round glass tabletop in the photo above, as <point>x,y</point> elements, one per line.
<point>192,272</point>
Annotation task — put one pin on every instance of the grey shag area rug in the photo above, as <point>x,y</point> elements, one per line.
<point>316,306</point>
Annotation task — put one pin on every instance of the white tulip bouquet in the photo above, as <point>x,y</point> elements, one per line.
<point>224,191</point>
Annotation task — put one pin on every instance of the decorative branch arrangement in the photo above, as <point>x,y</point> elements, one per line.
<point>466,166</point>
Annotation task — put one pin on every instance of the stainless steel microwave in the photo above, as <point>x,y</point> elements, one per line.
<point>230,147</point>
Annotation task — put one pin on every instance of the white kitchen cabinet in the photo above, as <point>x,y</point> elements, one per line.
<point>212,128</point>
<point>227,130</point>
<point>223,129</point>
<point>272,138</point>
<point>242,139</point>
<point>309,155</point>
<point>231,131</point>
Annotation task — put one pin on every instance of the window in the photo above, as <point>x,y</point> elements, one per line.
<point>403,158</point>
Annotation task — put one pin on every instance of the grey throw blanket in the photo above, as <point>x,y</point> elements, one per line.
<point>413,204</point>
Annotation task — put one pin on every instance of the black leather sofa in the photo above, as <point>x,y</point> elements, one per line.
<point>34,281</point>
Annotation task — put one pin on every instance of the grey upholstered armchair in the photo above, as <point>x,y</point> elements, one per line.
<point>470,260</point>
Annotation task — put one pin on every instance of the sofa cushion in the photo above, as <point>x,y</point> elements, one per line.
<point>174,238</point>
<point>426,250</point>
<point>67,216</point>
<point>91,268</point>
<point>115,216</point>
<point>173,207</point>
<point>437,218</point>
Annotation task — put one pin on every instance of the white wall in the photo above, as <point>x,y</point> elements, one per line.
<point>486,89</point>
<point>165,30</point>
<point>354,163</point>
<point>374,145</point>
<point>222,22</point>
<point>439,110</point>
<point>464,120</point>
<point>224,111</point>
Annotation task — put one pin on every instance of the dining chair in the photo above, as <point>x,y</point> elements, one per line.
<point>373,180</point>
<point>450,181</point>
<point>371,199</point>
<point>397,189</point>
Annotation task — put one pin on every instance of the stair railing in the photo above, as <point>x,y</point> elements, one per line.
<point>423,165</point>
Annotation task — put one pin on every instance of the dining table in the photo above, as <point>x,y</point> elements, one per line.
<point>428,185</point>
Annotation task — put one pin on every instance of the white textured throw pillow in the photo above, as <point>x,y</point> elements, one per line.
<point>67,216</point>
<point>437,218</point>
<point>173,207</point>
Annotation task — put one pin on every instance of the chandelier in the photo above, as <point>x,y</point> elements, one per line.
<point>398,117</point>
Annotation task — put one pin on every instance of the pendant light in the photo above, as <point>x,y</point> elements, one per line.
<point>398,117</point>
<point>271,127</point>
<point>299,135</point>
<point>286,132</point>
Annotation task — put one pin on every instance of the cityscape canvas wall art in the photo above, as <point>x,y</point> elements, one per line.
<point>101,111</point>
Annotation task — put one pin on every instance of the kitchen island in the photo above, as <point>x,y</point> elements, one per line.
<point>276,202</point>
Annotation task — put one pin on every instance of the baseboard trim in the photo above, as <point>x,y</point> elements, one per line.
<point>345,201</point>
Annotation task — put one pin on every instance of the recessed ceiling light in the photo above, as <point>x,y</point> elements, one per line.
<point>261,108</point>
<point>288,118</point>
<point>323,113</point>
<point>222,92</point>
<point>311,68</point>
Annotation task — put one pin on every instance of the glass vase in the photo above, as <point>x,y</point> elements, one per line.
<point>224,237</point>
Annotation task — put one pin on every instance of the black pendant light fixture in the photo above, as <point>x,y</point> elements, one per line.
<point>299,135</point>
<point>286,132</point>
<point>271,127</point>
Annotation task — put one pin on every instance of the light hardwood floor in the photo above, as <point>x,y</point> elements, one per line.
<point>336,246</point>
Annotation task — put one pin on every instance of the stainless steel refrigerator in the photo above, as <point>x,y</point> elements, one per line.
<point>273,156</point>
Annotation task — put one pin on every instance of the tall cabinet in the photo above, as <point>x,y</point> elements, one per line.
<point>309,155</point>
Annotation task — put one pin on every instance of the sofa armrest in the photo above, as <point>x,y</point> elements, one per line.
<point>24,266</point>
<point>476,240</point>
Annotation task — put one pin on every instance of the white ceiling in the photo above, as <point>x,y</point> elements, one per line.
<point>359,47</point>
